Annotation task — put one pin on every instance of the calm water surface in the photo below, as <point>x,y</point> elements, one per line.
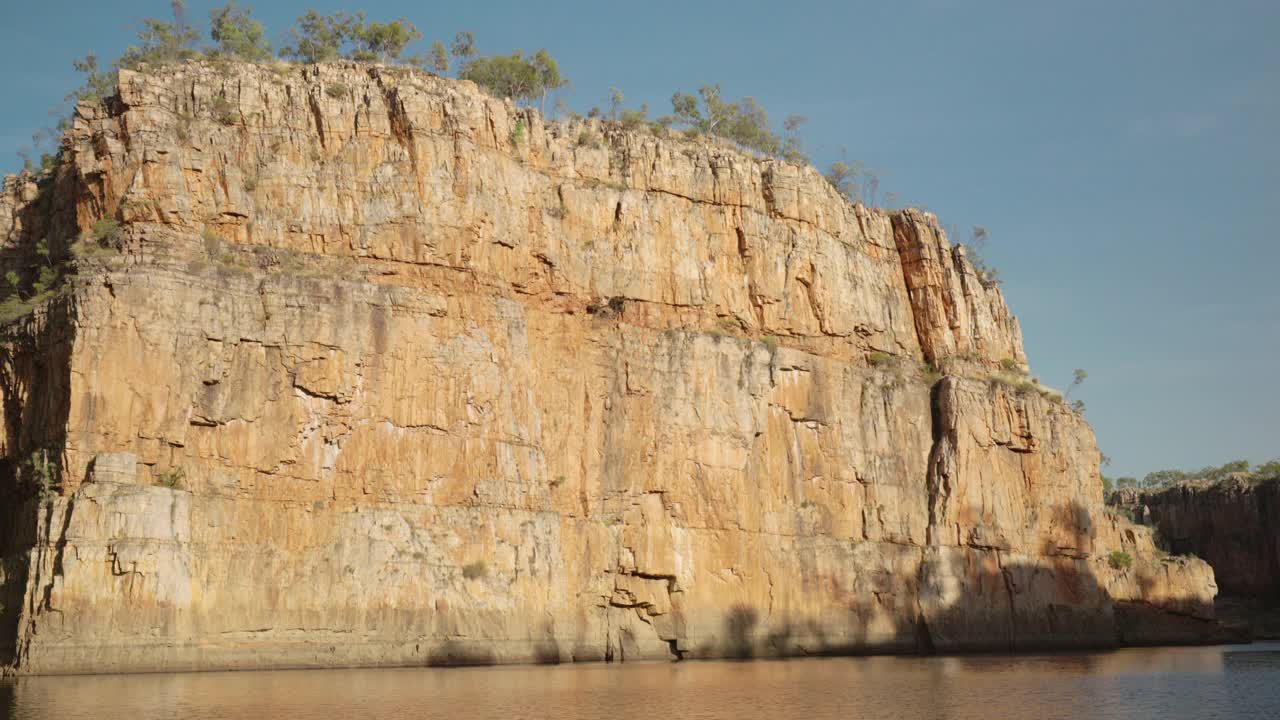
<point>1165,683</point>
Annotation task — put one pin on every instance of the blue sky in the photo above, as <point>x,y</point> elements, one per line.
<point>1122,154</point>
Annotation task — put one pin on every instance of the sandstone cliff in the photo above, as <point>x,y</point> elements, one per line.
<point>386,371</point>
<point>1234,525</point>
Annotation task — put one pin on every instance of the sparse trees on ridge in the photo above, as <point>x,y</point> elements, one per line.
<point>324,38</point>
<point>526,79</point>
<point>1212,473</point>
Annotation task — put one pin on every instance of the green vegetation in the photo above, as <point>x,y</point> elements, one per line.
<point>1119,560</point>
<point>880,359</point>
<point>1123,512</point>
<point>744,122</point>
<point>337,90</point>
<point>852,179</point>
<point>987,275</point>
<point>223,110</point>
<point>107,232</point>
<point>325,38</point>
<point>172,478</point>
<point>42,473</point>
<point>474,570</point>
<point>527,79</point>
<point>515,76</point>
<point>97,82</point>
<point>437,60</point>
<point>517,133</point>
<point>1213,474</point>
<point>163,42</point>
<point>930,374</point>
<point>237,35</point>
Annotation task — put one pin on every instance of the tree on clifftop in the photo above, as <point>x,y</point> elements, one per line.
<point>744,122</point>
<point>97,82</point>
<point>515,76</point>
<point>237,35</point>
<point>325,38</point>
<point>384,42</point>
<point>163,42</point>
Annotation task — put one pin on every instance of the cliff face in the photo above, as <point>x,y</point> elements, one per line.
<point>1234,525</point>
<point>386,371</point>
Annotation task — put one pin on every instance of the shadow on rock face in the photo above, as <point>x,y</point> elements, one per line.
<point>971,598</point>
<point>547,650</point>
<point>452,653</point>
<point>739,629</point>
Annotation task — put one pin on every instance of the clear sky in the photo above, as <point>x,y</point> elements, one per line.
<point>1123,155</point>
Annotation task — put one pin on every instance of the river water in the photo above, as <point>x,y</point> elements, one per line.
<point>1165,683</point>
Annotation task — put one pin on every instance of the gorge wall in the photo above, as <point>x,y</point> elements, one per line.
<point>1233,524</point>
<point>382,370</point>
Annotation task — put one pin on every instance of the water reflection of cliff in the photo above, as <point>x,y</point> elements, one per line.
<point>1125,683</point>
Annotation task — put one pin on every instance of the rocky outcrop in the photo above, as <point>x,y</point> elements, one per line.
<point>1233,524</point>
<point>382,370</point>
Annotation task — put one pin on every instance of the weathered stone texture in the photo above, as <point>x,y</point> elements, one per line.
<point>1234,525</point>
<point>447,384</point>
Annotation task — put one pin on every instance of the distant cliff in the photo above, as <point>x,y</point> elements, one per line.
<point>1233,524</point>
<point>350,364</point>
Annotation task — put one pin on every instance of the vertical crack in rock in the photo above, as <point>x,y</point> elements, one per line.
<point>398,118</point>
<point>938,475</point>
<point>317,113</point>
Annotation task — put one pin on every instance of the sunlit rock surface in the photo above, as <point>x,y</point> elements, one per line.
<point>387,371</point>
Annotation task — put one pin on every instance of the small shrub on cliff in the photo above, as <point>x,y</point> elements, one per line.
<point>517,133</point>
<point>13,308</point>
<point>97,82</point>
<point>988,276</point>
<point>172,478</point>
<point>930,374</point>
<point>46,279</point>
<point>474,570</point>
<point>1119,560</point>
<point>880,359</point>
<point>42,473</point>
<point>337,90</point>
<point>107,233</point>
<point>223,110</point>
<point>212,242</point>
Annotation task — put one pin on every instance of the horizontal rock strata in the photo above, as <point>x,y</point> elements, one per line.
<point>385,371</point>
